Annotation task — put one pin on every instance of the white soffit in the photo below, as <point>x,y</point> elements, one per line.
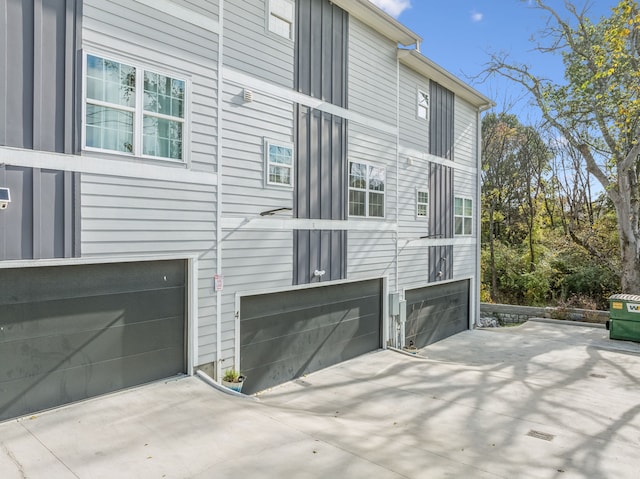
<point>421,64</point>
<point>368,13</point>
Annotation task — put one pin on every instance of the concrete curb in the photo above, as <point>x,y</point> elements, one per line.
<point>568,322</point>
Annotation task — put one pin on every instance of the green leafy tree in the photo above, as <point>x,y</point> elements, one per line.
<point>597,109</point>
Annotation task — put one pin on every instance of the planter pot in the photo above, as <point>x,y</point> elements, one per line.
<point>410,349</point>
<point>237,386</point>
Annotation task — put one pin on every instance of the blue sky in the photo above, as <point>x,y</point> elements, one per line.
<point>459,34</point>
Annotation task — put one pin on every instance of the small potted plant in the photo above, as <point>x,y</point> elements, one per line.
<point>233,380</point>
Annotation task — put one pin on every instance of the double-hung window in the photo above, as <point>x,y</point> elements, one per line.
<point>463,216</point>
<point>422,204</point>
<point>366,190</point>
<point>281,14</point>
<point>279,163</point>
<point>423,105</point>
<point>133,111</point>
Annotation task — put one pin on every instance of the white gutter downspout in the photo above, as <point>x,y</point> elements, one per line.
<point>397,285</point>
<point>219,194</point>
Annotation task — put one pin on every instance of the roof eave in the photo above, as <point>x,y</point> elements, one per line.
<point>368,13</point>
<point>421,64</point>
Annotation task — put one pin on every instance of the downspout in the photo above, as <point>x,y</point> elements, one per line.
<point>397,252</point>
<point>475,314</point>
<point>219,194</point>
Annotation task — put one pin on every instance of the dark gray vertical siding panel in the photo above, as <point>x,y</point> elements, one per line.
<point>441,125</point>
<point>42,220</point>
<point>303,145</point>
<point>322,250</point>
<point>440,221</point>
<point>39,48</point>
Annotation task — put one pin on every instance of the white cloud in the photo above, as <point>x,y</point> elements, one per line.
<point>477,16</point>
<point>392,7</point>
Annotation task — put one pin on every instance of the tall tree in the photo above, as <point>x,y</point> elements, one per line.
<point>597,110</point>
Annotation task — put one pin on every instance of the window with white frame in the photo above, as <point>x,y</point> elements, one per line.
<point>279,158</point>
<point>366,190</point>
<point>132,110</point>
<point>422,203</point>
<point>463,216</point>
<point>281,15</point>
<point>423,105</point>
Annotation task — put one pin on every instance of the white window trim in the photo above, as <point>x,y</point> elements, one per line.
<point>267,163</point>
<point>463,198</point>
<point>418,203</point>
<point>269,13</point>
<point>367,191</point>
<point>138,111</point>
<point>420,95</point>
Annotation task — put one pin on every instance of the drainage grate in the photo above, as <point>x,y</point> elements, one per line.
<point>599,376</point>
<point>541,435</point>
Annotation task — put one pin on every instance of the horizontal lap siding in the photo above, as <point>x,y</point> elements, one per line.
<point>371,254</point>
<point>371,73</point>
<point>464,261</point>
<point>251,48</point>
<point>246,126</point>
<point>465,134</point>
<point>414,131</point>
<point>133,31</point>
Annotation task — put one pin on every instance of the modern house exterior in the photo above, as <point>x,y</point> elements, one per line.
<point>268,185</point>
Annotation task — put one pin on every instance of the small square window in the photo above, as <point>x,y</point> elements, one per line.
<point>281,17</point>
<point>423,105</point>
<point>422,204</point>
<point>279,159</point>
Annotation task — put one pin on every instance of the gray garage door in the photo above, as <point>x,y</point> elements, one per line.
<point>285,335</point>
<point>72,332</point>
<point>436,312</point>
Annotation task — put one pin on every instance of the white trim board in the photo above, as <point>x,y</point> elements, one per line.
<point>288,224</point>
<point>133,168</point>
<point>411,154</point>
<point>178,11</point>
<point>255,84</point>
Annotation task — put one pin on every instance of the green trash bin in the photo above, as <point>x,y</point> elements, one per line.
<point>624,317</point>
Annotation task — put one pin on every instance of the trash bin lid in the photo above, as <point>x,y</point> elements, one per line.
<point>625,297</point>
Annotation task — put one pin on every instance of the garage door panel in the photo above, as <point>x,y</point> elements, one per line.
<point>436,312</point>
<point>52,283</point>
<point>58,349</point>
<point>52,388</point>
<point>91,313</point>
<point>280,325</point>
<point>284,335</point>
<point>283,369</point>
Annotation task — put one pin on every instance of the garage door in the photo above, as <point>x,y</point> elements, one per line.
<point>288,334</point>
<point>72,332</point>
<point>436,312</point>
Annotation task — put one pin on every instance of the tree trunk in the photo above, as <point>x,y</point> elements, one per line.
<point>492,258</point>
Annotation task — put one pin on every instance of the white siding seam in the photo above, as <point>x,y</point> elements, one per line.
<point>252,83</point>
<point>101,166</point>
<point>177,11</point>
<point>415,154</point>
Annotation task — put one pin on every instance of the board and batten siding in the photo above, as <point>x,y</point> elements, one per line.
<point>372,73</point>
<point>414,131</point>
<point>131,31</point>
<point>465,134</point>
<point>249,47</point>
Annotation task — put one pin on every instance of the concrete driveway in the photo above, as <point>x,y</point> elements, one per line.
<point>537,401</point>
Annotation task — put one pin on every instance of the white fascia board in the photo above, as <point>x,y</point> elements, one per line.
<point>369,14</point>
<point>182,13</point>
<point>105,166</point>
<point>422,242</point>
<point>427,68</point>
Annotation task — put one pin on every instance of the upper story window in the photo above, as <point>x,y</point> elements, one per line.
<point>279,163</point>
<point>133,111</point>
<point>366,190</point>
<point>463,216</point>
<point>422,204</point>
<point>423,105</point>
<point>281,17</point>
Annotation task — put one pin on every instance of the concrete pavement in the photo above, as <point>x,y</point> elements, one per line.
<point>536,401</point>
